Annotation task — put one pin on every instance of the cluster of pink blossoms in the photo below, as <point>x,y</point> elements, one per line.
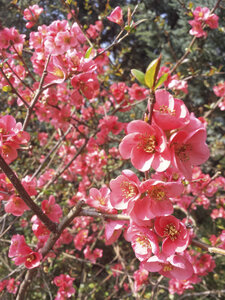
<point>202,18</point>
<point>172,144</point>
<point>11,136</point>
<point>219,90</point>
<point>21,253</point>
<point>65,284</point>
<point>31,14</point>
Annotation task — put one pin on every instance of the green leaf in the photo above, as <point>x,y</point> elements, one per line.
<point>88,52</point>
<point>152,72</point>
<point>140,76</point>
<point>162,79</point>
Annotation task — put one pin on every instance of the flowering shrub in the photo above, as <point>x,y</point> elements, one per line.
<point>88,174</point>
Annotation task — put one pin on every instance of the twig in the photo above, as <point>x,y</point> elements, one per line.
<point>50,153</point>
<point>214,107</point>
<point>25,196</point>
<point>205,293</point>
<point>48,246</point>
<point>37,94</point>
<point>13,89</point>
<point>92,213</point>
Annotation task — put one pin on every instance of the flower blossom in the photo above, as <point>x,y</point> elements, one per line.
<point>146,146</point>
<point>116,16</point>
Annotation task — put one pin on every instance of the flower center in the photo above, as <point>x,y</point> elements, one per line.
<point>101,200</point>
<point>157,193</point>
<point>164,109</point>
<point>128,190</point>
<point>143,241</point>
<point>171,231</point>
<point>31,257</point>
<point>182,151</point>
<point>167,267</point>
<point>147,143</point>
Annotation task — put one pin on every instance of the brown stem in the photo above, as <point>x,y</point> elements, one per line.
<point>13,89</point>
<point>25,196</point>
<point>52,150</point>
<point>92,213</point>
<point>48,246</point>
<point>214,107</point>
<point>37,94</point>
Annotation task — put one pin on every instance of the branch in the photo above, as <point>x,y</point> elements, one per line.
<point>214,107</point>
<point>48,246</point>
<point>13,89</point>
<point>25,196</point>
<point>52,150</point>
<point>37,94</point>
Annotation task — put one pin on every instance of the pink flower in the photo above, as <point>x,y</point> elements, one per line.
<point>116,16</point>
<point>31,14</point>
<point>140,278</point>
<point>113,229</point>
<point>159,194</point>
<point>175,266</point>
<point>30,185</point>
<point>219,89</point>
<point>146,146</point>
<point>16,206</point>
<point>137,93</point>
<point>65,284</point>
<point>201,13</point>
<point>51,209</point>
<point>12,286</point>
<point>22,253</point>
<point>125,190</point>
<point>100,199</point>
<point>169,113</point>
<point>212,21</point>
<point>11,136</point>
<point>188,147</point>
<point>81,239</point>
<point>92,255</point>
<point>174,233</point>
<point>143,241</point>
<point>196,29</point>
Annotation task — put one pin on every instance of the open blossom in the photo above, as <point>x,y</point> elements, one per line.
<point>100,199</point>
<point>125,190</point>
<point>174,266</point>
<point>21,253</point>
<point>51,209</point>
<point>174,233</point>
<point>146,146</point>
<point>157,200</point>
<point>16,206</point>
<point>188,147</point>
<point>169,113</point>
<point>143,241</point>
<point>116,16</point>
